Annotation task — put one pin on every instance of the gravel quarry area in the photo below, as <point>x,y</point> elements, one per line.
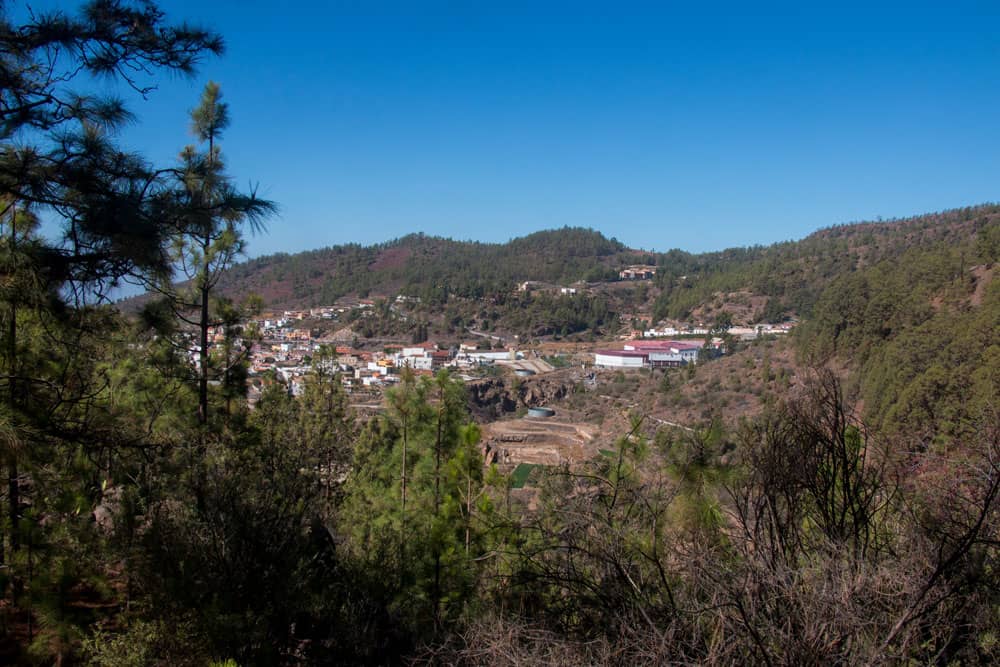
<point>542,441</point>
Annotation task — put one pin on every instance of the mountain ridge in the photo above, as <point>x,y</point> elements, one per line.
<point>431,267</point>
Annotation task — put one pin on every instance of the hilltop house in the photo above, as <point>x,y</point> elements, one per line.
<point>637,273</point>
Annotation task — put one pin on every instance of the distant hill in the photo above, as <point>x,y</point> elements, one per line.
<point>794,274</point>
<point>419,265</point>
<point>771,282</point>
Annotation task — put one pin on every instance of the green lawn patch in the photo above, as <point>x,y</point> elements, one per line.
<point>519,477</point>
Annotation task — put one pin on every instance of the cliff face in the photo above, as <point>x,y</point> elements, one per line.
<point>492,398</point>
<point>489,399</point>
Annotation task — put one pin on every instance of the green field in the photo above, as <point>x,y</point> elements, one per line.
<point>519,477</point>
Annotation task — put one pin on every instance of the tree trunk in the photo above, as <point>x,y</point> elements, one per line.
<point>13,481</point>
<point>437,508</point>
<point>14,506</point>
<point>203,356</point>
<point>468,515</point>
<point>203,322</point>
<point>402,512</point>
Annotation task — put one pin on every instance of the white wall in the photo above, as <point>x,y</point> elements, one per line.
<point>615,361</point>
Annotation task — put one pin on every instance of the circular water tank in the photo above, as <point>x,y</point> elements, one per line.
<point>541,412</point>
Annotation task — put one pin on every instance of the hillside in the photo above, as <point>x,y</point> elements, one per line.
<point>755,283</point>
<point>429,267</point>
<point>792,275</point>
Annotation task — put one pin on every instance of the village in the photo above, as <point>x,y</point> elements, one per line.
<point>286,345</point>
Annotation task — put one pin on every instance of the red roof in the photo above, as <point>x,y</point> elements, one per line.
<point>622,353</point>
<point>666,344</point>
<point>652,344</point>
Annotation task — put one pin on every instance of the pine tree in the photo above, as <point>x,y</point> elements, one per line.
<point>209,217</point>
<point>424,445</point>
<point>59,420</point>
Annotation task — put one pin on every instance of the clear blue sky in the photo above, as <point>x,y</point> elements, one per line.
<point>691,125</point>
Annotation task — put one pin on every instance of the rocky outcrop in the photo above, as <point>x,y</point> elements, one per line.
<point>492,398</point>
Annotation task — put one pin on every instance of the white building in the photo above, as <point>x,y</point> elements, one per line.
<point>659,333</point>
<point>654,353</point>
<point>494,355</point>
<point>416,363</point>
<point>620,359</point>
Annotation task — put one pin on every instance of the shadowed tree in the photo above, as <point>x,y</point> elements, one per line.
<point>208,217</point>
<point>57,160</point>
<point>56,156</point>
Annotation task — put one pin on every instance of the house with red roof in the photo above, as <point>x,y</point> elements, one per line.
<point>650,354</point>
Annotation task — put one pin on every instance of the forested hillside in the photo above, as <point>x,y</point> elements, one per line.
<point>794,274</point>
<point>791,275</point>
<point>430,267</point>
<point>921,327</point>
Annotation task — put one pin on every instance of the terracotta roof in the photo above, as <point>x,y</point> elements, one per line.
<point>621,353</point>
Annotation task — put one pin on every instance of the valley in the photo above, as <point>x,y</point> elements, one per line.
<point>412,399</point>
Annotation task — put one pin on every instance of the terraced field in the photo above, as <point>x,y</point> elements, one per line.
<point>539,441</point>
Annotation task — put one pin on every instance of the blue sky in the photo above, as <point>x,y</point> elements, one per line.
<point>691,125</point>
